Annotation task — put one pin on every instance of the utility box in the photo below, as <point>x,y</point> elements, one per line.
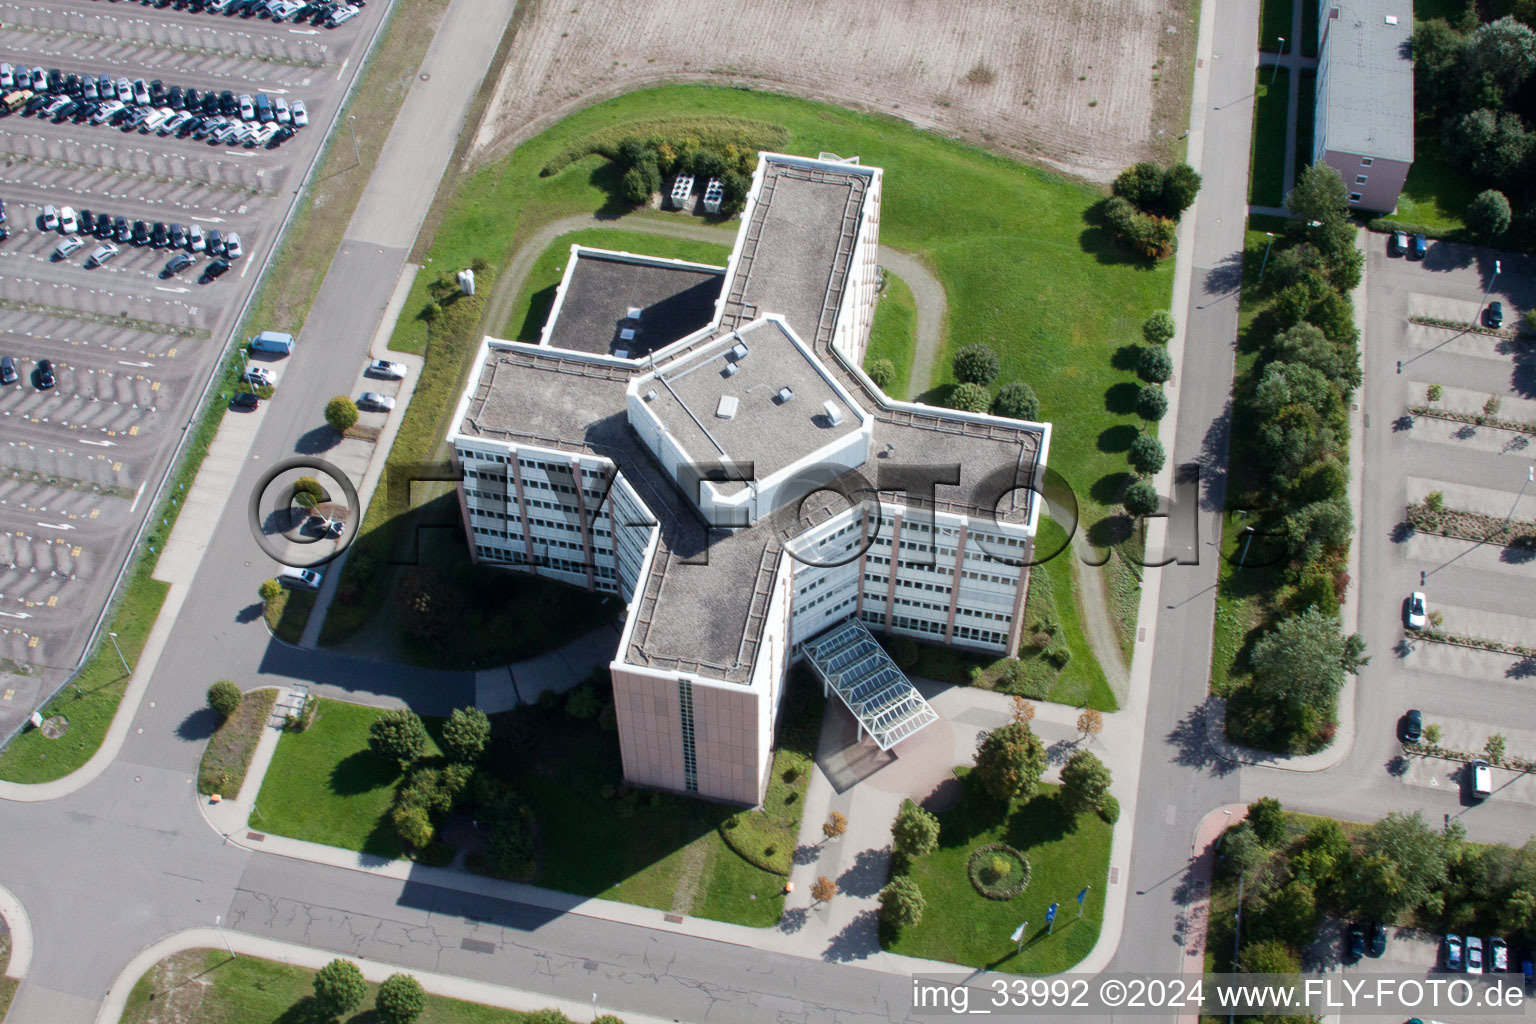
<point>682,189</point>
<point>467,281</point>
<point>714,195</point>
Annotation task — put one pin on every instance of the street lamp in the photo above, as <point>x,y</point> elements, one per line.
<point>126,667</point>
<point>218,922</point>
<point>1265,262</point>
<point>1530,478</point>
<point>352,124</point>
<point>1498,266</point>
<point>1276,71</point>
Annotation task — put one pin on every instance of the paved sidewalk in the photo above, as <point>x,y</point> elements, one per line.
<point>20,927</point>
<point>1202,848</point>
<point>373,970</point>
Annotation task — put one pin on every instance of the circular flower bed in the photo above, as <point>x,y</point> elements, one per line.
<point>998,871</point>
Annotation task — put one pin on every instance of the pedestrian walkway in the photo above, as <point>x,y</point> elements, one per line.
<point>1295,64</point>
<point>1202,851</point>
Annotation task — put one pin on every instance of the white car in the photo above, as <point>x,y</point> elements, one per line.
<point>1482,786</point>
<point>232,247</point>
<point>1474,954</point>
<point>259,375</point>
<point>50,218</point>
<point>1418,617</point>
<point>69,247</point>
<point>247,107</point>
<point>141,92</point>
<point>7,76</point>
<point>101,254</point>
<point>69,220</point>
<point>108,109</point>
<point>280,108</point>
<point>372,401</point>
<point>124,91</point>
<point>342,15</point>
<point>195,240</point>
<point>300,114</point>
<point>299,579</point>
<point>386,369</point>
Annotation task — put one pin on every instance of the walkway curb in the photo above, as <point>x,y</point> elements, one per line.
<point>20,926</point>
<point>1202,866</point>
<point>304,956</point>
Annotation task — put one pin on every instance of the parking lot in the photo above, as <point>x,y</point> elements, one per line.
<point>1483,590</point>
<point>131,343</point>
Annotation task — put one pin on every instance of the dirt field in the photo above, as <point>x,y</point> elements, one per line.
<point>1081,85</point>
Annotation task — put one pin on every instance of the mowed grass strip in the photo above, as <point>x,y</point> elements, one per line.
<point>893,335</point>
<point>1271,103</point>
<point>228,755</point>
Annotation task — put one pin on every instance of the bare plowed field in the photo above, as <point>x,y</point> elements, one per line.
<point>1082,85</point>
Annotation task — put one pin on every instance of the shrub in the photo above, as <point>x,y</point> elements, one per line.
<point>735,186</point>
<point>1017,401</point>
<point>413,824</point>
<point>1268,957</point>
<point>339,987</point>
<point>976,364</point>
<point>465,734</point>
<point>1151,403</point>
<point>1141,185</point>
<point>1488,215</point>
<point>310,486</point>
<point>224,697</point>
<point>398,735</point>
<point>836,823</point>
<point>1180,186</point>
<point>823,889</point>
<point>903,651</point>
<point>1159,328</point>
<point>1010,761</point>
<point>969,398</point>
<point>1268,821</point>
<point>1109,808</point>
<point>549,700</point>
<point>901,902</point>
<point>1084,783</point>
<point>1141,498</point>
<point>1435,391</point>
<point>1154,365</point>
<point>1240,849</point>
<point>341,413</point>
<point>997,871</point>
<point>509,847</point>
<point>583,703</point>
<point>300,720</point>
<point>882,372</point>
<point>400,999</point>
<point>269,591</point>
<point>916,831</point>
<point>1146,454</point>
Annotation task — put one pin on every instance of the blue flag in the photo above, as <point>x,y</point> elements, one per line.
<point>1082,895</point>
<point>1050,915</point>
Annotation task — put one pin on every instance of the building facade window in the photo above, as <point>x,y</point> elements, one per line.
<point>1355,197</point>
<point>690,755</point>
<point>1360,179</point>
<point>1366,161</point>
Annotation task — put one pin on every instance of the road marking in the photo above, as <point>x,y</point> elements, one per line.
<point>343,69</point>
<point>162,288</point>
<point>16,615</point>
<point>100,444</point>
<point>305,31</point>
<point>55,526</point>
<point>137,495</point>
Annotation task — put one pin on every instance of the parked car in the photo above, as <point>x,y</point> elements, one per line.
<point>159,236</point>
<point>123,233</point>
<point>1481,777</point>
<point>386,369</point>
<point>245,400</point>
<point>247,107</point>
<point>1354,942</point>
<point>214,269</point>
<point>1399,243</point>
<point>1378,939</point>
<point>280,109</point>
<point>87,222</point>
<point>232,247</point>
<point>181,261</point>
<point>140,233</point>
<point>195,240</point>
<point>8,374</point>
<point>68,248</point>
<point>1420,246</point>
<point>299,579</point>
<point>1453,952</point>
<point>105,112</point>
<point>1413,726</point>
<point>1474,954</point>
<point>259,375</point>
<point>7,76</point>
<point>1498,955</point>
<point>1418,616</point>
<point>50,218</point>
<point>300,113</point>
<point>69,220</point>
<point>101,254</point>
<point>45,377</point>
<point>1494,317</point>
<point>178,236</point>
<point>373,401</point>
<point>141,92</point>
<point>215,242</point>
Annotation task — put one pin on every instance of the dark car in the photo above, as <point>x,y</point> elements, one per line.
<point>1420,246</point>
<point>1495,315</point>
<point>245,400</point>
<point>210,102</point>
<point>87,222</point>
<point>72,84</point>
<point>216,268</point>
<point>45,378</point>
<point>192,98</point>
<point>159,236</point>
<point>178,236</point>
<point>35,104</point>
<point>157,93</point>
<point>189,127</point>
<point>228,103</point>
<point>1378,939</point>
<point>1354,943</point>
<point>140,233</point>
<point>123,232</point>
<point>104,226</point>
<point>176,99</point>
<point>55,80</point>
<point>281,136</point>
<point>215,242</point>
<point>8,374</point>
<point>181,261</point>
<point>1413,726</point>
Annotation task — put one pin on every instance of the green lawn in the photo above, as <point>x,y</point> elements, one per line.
<point>228,755</point>
<point>1437,192</point>
<point>1309,32</point>
<point>288,613</point>
<point>1306,115</point>
<point>1267,184</point>
<point>538,291</point>
<point>326,786</point>
<point>990,227</point>
<point>893,335</point>
<point>207,986</point>
<point>1275,17</point>
<point>963,927</point>
<point>7,985</point>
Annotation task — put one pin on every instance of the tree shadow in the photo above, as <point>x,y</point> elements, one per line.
<point>1402,423</point>
<point>1401,532</point>
<point>539,305</point>
<point>199,725</point>
<point>1225,277</point>
<point>1525,668</point>
<point>320,439</point>
<point>1126,357</point>
<point>792,920</point>
<point>609,177</point>
<point>1516,554</point>
<point>1397,766</point>
<point>250,613</point>
<point>866,875</point>
<point>859,940</point>
<point>1522,379</point>
<point>1112,530</point>
<point>1040,821</point>
<point>1109,488</point>
<point>1120,399</point>
<point>806,855</point>
<point>362,772</point>
<point>306,1011</point>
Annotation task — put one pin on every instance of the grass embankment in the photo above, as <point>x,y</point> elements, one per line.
<point>287,614</point>
<point>228,755</point>
<point>963,927</point>
<point>990,227</point>
<point>92,698</point>
<point>208,986</point>
<point>893,335</point>
<point>1270,106</point>
<point>538,291</point>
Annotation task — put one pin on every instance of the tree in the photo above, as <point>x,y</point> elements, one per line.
<point>970,397</point>
<point>1090,723</point>
<point>1301,662</point>
<point>398,735</point>
<point>1151,403</point>
<point>1241,850</point>
<point>1142,185</point>
<point>1347,270</point>
<point>1320,194</point>
<point>413,823</point>
<point>915,832</point>
<point>823,889</point>
<point>1023,710</point>
<point>1289,914</point>
<point>465,734</point>
<point>509,847</point>
<point>1494,748</point>
<point>430,608</point>
<point>1268,821</point>
<point>1146,454</point>
<point>976,364</point>
<point>224,697</point>
<point>1438,55</point>
<point>1159,328</point>
<point>902,903</point>
<point>269,591</point>
<point>1306,345</point>
<point>1017,401</point>
<point>634,187</point>
<point>1154,365</point>
<point>735,186</point>
<point>341,413</point>
<point>400,1000</point>
<point>1405,863</point>
<point>1084,783</point>
<point>339,987</point>
<point>1141,498</point>
<point>1493,144</point>
<point>583,703</point>
<point>1505,50</point>
<point>1324,854</point>
<point>882,372</point>
<point>1432,733</point>
<point>835,825</point>
<point>1488,215</point>
<point>708,164</point>
<point>1180,186</point>
<point>1010,761</point>
<point>1268,957</point>
<point>1286,384</point>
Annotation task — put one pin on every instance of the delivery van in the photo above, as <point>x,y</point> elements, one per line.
<point>274,342</point>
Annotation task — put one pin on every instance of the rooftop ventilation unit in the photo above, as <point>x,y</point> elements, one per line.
<point>621,353</point>
<point>738,351</point>
<point>714,194</point>
<point>650,395</point>
<point>726,410</point>
<point>627,334</point>
<point>682,188</point>
<point>834,414</point>
<point>784,395</point>
<point>1391,19</point>
<point>730,370</point>
<point>634,312</point>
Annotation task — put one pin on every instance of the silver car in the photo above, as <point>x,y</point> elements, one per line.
<point>386,369</point>
<point>375,402</point>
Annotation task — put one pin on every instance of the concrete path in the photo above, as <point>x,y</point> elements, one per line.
<point>1294,63</point>
<point>19,926</point>
<point>1202,848</point>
